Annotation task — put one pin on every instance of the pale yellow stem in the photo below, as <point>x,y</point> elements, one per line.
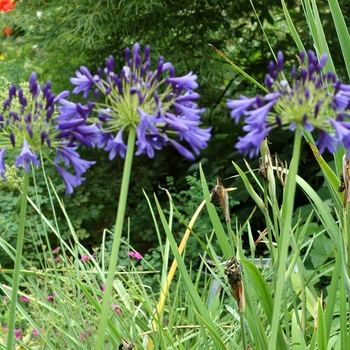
<point>166,286</point>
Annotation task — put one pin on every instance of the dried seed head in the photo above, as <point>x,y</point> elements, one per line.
<point>345,179</point>
<point>126,344</point>
<point>233,271</point>
<point>263,170</point>
<point>234,276</point>
<point>341,187</point>
<point>219,197</point>
<point>216,195</point>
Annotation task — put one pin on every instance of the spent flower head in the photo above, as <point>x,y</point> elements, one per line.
<point>313,100</point>
<point>159,105</point>
<point>29,125</point>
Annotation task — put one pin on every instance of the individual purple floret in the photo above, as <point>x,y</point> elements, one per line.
<point>28,124</point>
<point>313,100</point>
<point>159,105</point>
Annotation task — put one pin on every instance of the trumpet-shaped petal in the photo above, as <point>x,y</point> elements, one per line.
<point>116,145</point>
<point>84,81</point>
<point>240,107</point>
<point>187,82</point>
<point>325,141</point>
<point>71,157</point>
<point>70,180</point>
<point>251,142</point>
<point>26,158</point>
<point>182,150</point>
<point>196,137</point>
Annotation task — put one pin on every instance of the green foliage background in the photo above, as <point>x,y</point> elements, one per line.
<point>55,38</point>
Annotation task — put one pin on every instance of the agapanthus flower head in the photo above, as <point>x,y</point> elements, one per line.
<point>159,105</point>
<point>312,100</point>
<point>29,124</point>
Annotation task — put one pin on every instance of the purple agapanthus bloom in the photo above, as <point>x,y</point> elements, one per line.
<point>29,123</point>
<point>313,100</point>
<point>26,157</point>
<point>2,163</point>
<point>116,145</point>
<point>159,105</point>
<point>69,179</point>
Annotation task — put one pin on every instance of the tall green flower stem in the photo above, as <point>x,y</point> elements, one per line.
<point>117,238</point>
<point>174,265</point>
<point>242,320</point>
<point>346,213</point>
<point>16,273</point>
<point>283,239</point>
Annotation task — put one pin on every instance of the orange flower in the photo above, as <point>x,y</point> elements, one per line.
<point>7,5</point>
<point>8,31</point>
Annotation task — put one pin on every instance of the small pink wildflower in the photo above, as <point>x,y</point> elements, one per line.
<point>23,298</point>
<point>18,333</point>
<point>50,297</point>
<point>86,257</point>
<point>88,332</point>
<point>103,287</point>
<point>35,332</point>
<point>56,260</point>
<point>56,250</point>
<point>116,309</point>
<point>82,335</point>
<point>6,329</point>
<point>136,255</point>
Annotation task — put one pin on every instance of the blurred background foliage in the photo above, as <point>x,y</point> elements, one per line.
<point>54,38</point>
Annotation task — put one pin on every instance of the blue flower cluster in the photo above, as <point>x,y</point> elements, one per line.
<point>314,100</point>
<point>159,105</point>
<point>28,123</point>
